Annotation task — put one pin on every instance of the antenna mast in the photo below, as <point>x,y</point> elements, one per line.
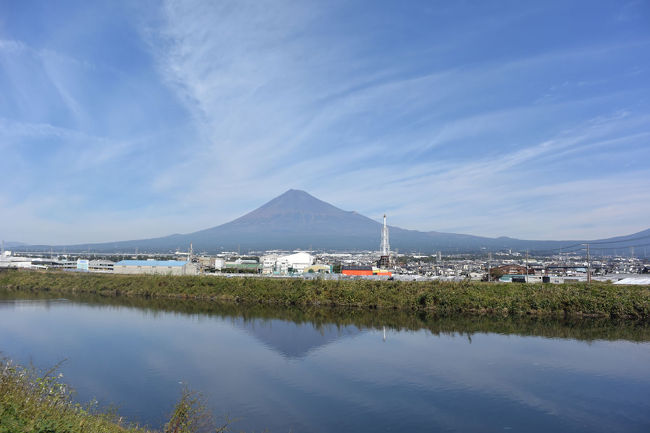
<point>385,245</point>
<point>384,260</point>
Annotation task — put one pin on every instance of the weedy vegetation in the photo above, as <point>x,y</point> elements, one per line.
<point>42,403</point>
<point>441,298</point>
<point>33,402</point>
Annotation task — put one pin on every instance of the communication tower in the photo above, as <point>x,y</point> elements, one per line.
<point>384,260</point>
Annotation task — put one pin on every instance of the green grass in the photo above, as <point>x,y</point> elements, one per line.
<point>442,298</point>
<point>41,403</point>
<point>539,325</point>
<point>34,402</point>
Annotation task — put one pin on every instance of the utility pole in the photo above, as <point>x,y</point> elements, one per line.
<point>526,265</point>
<point>588,266</point>
<point>489,266</point>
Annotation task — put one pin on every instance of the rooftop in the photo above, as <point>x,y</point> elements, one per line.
<point>151,263</point>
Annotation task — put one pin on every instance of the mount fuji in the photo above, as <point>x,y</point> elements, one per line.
<point>298,220</point>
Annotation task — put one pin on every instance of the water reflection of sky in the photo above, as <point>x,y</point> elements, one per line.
<point>285,376</point>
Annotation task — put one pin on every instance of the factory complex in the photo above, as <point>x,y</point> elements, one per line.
<point>272,264</point>
<point>505,267</point>
<point>160,267</point>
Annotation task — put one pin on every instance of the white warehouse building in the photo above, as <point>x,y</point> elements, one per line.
<point>268,263</point>
<point>276,264</point>
<point>159,267</point>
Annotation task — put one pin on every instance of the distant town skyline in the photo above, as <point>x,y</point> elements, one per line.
<point>127,120</point>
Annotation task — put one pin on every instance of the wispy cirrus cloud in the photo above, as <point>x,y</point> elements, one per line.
<point>482,119</point>
<point>271,122</point>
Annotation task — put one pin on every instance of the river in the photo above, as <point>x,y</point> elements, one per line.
<point>324,370</point>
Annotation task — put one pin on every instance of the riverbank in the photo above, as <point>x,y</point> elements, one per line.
<point>441,298</point>
<point>547,326</point>
<point>40,402</point>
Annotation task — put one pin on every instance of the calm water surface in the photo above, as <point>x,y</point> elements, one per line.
<point>315,371</point>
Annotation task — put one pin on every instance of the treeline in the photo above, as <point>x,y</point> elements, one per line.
<point>438,298</point>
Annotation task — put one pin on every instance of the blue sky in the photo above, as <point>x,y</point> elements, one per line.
<point>123,120</point>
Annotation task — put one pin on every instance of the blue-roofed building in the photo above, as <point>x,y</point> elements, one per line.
<point>159,267</point>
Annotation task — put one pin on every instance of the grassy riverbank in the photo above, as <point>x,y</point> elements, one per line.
<point>323,318</point>
<point>33,402</point>
<point>443,298</point>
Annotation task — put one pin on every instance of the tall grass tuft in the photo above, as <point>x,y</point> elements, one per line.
<point>190,415</point>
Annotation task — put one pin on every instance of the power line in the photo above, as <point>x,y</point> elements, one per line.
<point>566,249</point>
<point>626,246</point>
<point>620,241</point>
<point>571,247</point>
<point>582,248</point>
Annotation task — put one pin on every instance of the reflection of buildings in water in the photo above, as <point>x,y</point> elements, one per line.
<point>384,339</point>
<point>294,340</point>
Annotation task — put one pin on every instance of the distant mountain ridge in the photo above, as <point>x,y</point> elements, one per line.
<point>298,220</point>
<point>11,244</point>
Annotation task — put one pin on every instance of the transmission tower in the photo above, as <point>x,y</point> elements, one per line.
<point>384,261</point>
<point>385,245</point>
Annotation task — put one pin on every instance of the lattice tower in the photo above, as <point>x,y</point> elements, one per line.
<point>385,245</point>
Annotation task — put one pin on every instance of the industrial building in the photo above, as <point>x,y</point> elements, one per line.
<point>101,266</point>
<point>7,260</point>
<point>51,263</point>
<point>365,271</point>
<point>268,263</point>
<point>241,266</point>
<point>287,264</point>
<point>318,269</point>
<point>511,269</point>
<point>383,264</point>
<point>158,267</point>
<point>356,270</point>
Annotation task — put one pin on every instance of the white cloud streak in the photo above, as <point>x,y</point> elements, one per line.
<point>279,97</point>
<point>268,126</point>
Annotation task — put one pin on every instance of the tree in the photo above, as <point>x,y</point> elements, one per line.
<point>496,273</point>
